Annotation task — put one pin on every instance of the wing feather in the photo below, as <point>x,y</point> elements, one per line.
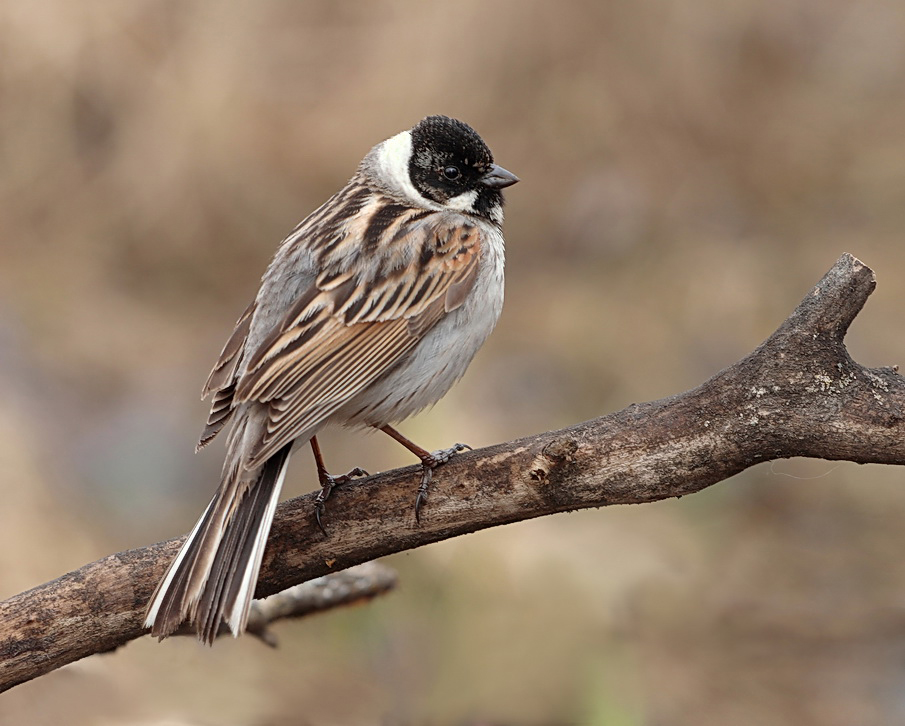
<point>353,324</point>
<point>225,367</point>
<point>222,379</point>
<point>349,329</point>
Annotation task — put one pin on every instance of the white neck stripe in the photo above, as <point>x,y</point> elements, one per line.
<point>393,157</point>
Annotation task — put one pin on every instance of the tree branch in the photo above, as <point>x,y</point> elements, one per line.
<point>798,394</point>
<point>349,587</point>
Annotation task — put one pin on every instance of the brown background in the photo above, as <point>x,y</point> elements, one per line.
<point>689,170</point>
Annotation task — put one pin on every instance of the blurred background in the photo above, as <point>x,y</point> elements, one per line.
<point>690,170</point>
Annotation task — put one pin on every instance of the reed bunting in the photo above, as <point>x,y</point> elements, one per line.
<point>370,310</point>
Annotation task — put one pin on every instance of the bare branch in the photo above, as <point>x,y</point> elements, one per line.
<point>349,587</point>
<point>798,394</point>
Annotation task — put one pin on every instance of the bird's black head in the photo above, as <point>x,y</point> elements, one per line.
<point>452,166</point>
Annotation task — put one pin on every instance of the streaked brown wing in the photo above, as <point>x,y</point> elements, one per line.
<point>222,379</point>
<point>348,329</point>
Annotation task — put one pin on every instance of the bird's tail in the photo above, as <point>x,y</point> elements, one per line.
<point>214,575</point>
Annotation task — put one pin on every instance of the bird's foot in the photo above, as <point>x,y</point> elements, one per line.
<point>328,482</point>
<point>428,464</point>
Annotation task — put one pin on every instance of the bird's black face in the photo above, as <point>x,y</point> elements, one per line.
<point>452,166</point>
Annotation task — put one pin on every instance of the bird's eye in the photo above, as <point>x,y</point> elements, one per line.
<point>451,172</point>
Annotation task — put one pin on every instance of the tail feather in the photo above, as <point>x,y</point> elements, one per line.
<point>240,591</point>
<point>214,575</point>
<point>160,613</point>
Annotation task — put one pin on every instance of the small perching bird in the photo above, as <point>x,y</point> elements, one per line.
<point>371,309</point>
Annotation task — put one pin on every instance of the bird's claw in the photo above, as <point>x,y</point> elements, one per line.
<point>428,464</point>
<point>328,482</point>
<point>443,455</point>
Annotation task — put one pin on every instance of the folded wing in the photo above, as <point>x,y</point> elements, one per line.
<point>348,329</point>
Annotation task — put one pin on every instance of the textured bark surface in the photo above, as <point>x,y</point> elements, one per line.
<point>798,394</point>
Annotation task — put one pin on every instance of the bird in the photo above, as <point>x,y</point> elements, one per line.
<point>371,309</point>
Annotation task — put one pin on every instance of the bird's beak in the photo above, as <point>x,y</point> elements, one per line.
<point>498,178</point>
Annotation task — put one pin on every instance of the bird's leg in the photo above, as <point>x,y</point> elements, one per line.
<point>430,460</point>
<point>327,481</point>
